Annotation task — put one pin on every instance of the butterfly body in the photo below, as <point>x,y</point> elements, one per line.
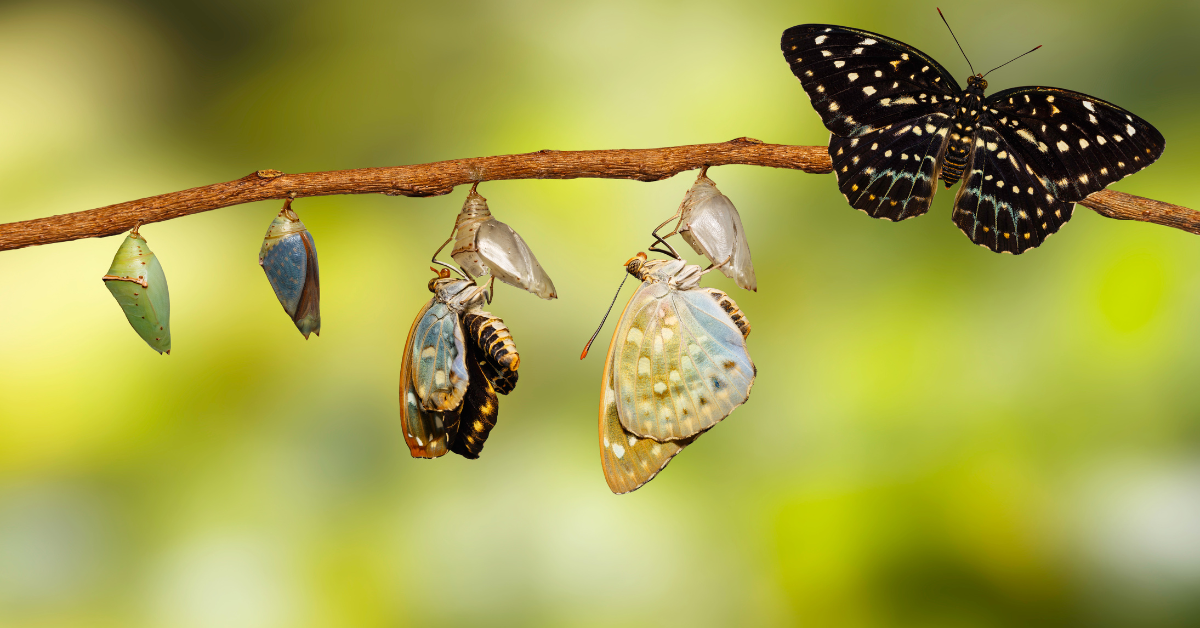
<point>455,361</point>
<point>961,136</point>
<point>677,365</point>
<point>899,122</point>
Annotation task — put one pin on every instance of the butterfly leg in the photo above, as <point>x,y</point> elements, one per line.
<point>712,267</point>
<point>677,215</point>
<point>435,260</point>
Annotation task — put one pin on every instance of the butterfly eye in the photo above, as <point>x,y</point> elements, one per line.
<point>634,265</point>
<point>137,282</point>
<point>289,258</point>
<point>486,246</point>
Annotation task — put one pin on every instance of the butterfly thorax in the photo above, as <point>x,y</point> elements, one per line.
<point>673,273</point>
<point>459,295</point>
<point>968,107</point>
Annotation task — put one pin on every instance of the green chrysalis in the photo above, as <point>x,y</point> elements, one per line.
<point>137,282</point>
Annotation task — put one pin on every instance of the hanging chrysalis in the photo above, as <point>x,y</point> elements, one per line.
<point>485,245</point>
<point>289,257</point>
<point>137,282</point>
<point>710,223</point>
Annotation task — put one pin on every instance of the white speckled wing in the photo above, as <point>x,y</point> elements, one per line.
<point>425,432</point>
<point>438,355</point>
<point>628,461</point>
<point>681,364</point>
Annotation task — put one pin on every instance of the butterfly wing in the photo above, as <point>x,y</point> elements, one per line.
<point>425,432</point>
<point>1003,203</point>
<point>439,366</point>
<point>478,412</point>
<point>891,172</point>
<point>1080,143</point>
<point>628,461</point>
<point>859,81</point>
<point>682,363</point>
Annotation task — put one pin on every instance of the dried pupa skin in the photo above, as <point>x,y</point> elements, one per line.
<point>289,258</point>
<point>485,246</point>
<point>712,226</point>
<point>137,282</point>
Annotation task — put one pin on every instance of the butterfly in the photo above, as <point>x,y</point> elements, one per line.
<point>457,358</point>
<point>899,122</point>
<point>677,365</point>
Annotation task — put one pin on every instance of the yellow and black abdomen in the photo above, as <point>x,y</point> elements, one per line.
<point>497,353</point>
<point>961,138</point>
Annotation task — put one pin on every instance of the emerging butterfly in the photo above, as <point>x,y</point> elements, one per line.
<point>899,122</point>
<point>677,366</point>
<point>449,379</point>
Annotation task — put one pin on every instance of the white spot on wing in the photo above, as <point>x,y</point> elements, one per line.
<point>868,90</point>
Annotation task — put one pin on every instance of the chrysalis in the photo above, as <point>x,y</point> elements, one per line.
<point>289,258</point>
<point>137,282</point>
<point>485,245</point>
<point>711,225</point>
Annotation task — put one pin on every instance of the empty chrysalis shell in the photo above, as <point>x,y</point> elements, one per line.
<point>485,245</point>
<point>289,257</point>
<point>711,225</point>
<point>137,282</point>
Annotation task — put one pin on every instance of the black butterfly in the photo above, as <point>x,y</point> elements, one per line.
<point>899,122</point>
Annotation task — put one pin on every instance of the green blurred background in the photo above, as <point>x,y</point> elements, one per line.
<point>938,436</point>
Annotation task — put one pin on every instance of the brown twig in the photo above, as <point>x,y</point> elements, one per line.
<point>650,164</point>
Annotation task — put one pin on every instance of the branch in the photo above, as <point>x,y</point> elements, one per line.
<point>434,179</point>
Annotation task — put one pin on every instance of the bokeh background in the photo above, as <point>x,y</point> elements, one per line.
<point>938,436</point>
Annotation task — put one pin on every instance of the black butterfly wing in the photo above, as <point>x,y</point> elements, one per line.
<point>1080,143</point>
<point>1005,203</point>
<point>891,172</point>
<point>858,80</point>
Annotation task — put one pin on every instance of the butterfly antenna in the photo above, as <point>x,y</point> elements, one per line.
<point>960,48</point>
<point>1004,64</point>
<point>610,307</point>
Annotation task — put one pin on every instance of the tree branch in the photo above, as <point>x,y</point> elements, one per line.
<point>434,179</point>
